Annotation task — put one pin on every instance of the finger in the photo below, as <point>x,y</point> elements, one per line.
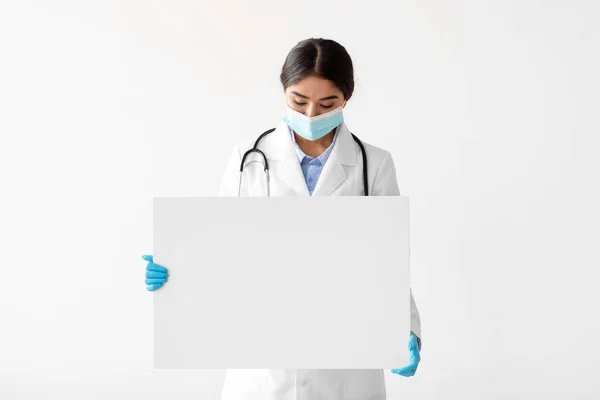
<point>411,368</point>
<point>153,281</point>
<point>155,274</point>
<point>152,288</point>
<point>156,267</point>
<point>148,257</point>
<point>401,371</point>
<point>415,358</point>
<point>405,371</point>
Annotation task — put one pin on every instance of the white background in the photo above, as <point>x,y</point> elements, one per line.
<point>490,110</point>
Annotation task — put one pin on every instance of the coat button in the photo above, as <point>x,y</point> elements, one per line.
<point>304,383</point>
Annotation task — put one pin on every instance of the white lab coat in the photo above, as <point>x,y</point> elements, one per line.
<point>341,176</point>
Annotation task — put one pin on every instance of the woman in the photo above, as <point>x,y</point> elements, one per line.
<point>310,153</point>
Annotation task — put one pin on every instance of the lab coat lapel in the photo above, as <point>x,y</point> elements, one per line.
<point>334,174</point>
<point>288,167</point>
<point>291,173</point>
<point>331,177</point>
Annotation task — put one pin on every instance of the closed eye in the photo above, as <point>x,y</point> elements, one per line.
<point>300,104</point>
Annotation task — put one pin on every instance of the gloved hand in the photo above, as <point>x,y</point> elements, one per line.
<point>415,358</point>
<point>156,275</point>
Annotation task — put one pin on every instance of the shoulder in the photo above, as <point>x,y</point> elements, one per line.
<point>381,171</point>
<point>376,153</point>
<point>241,147</point>
<point>271,140</point>
<point>244,145</point>
<point>377,156</point>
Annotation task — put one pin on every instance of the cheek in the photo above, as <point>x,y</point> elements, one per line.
<point>290,102</point>
<point>299,108</point>
<point>296,107</point>
<point>334,106</point>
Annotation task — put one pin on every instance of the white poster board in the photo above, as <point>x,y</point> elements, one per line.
<point>282,282</point>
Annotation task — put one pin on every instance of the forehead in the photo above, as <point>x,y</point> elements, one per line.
<point>314,86</point>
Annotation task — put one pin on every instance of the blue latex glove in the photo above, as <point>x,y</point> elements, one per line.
<point>415,358</point>
<point>156,275</point>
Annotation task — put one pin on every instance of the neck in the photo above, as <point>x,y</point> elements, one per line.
<point>315,148</point>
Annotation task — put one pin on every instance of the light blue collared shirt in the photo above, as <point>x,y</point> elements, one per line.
<point>311,166</point>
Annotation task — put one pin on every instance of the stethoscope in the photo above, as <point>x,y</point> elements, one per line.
<point>255,149</point>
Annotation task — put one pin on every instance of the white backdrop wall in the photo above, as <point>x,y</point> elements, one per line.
<point>489,109</point>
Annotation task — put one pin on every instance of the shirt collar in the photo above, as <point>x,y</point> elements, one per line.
<point>323,157</point>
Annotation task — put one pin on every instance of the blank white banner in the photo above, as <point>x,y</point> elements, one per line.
<point>282,282</point>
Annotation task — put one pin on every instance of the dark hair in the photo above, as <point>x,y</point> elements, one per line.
<point>323,58</point>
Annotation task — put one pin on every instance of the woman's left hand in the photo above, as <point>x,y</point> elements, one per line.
<point>415,358</point>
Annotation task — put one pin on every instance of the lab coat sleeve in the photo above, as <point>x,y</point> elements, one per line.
<point>230,180</point>
<point>386,184</point>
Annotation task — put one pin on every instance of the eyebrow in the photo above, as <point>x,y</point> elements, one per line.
<point>306,97</point>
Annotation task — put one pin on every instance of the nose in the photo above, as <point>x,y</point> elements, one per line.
<point>311,110</point>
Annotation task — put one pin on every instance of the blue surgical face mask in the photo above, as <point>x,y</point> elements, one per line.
<point>313,128</point>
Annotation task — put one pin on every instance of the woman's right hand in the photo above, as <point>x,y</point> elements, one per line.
<point>156,275</point>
